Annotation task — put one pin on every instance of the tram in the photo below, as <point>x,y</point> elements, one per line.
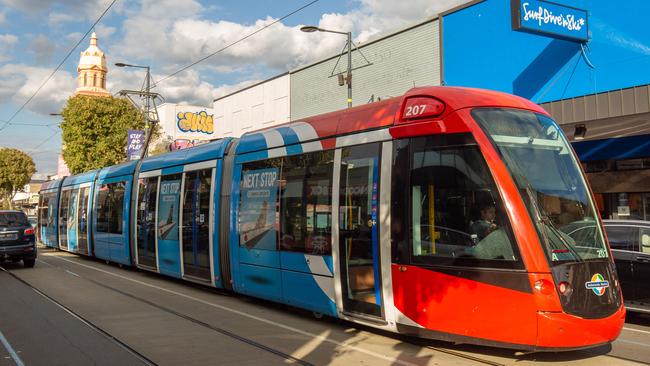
<point>437,214</point>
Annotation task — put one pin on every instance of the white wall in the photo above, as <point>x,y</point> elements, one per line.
<point>169,121</point>
<point>260,106</point>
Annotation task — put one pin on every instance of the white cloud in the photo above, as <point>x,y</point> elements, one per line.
<point>56,18</point>
<point>42,47</point>
<point>7,43</point>
<point>175,32</point>
<point>18,82</point>
<point>104,32</point>
<point>84,8</point>
<point>3,17</point>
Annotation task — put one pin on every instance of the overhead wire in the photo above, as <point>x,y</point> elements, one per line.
<point>7,122</point>
<point>234,43</point>
<point>164,78</point>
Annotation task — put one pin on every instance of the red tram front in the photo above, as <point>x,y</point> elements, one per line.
<point>485,188</point>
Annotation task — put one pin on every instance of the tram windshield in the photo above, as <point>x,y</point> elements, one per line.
<point>550,181</point>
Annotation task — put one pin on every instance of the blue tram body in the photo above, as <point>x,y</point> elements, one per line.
<point>48,219</point>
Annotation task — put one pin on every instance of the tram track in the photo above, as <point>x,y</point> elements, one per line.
<point>167,310</point>
<point>465,356</point>
<point>144,359</point>
<point>451,352</point>
<point>228,333</point>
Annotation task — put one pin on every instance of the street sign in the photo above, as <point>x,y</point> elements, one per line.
<point>135,144</point>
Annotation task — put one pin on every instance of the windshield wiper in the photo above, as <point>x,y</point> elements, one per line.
<point>546,221</point>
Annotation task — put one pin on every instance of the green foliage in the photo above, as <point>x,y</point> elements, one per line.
<point>94,131</point>
<point>16,169</point>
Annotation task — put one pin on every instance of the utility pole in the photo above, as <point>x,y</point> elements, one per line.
<point>149,101</point>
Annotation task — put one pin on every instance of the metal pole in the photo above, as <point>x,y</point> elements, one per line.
<point>349,77</point>
<point>146,116</point>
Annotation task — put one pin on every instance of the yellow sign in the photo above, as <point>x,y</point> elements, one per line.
<point>195,122</point>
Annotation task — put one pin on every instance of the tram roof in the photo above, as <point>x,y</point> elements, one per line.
<point>51,185</point>
<point>212,150</point>
<point>375,115</point>
<point>80,178</point>
<point>127,168</point>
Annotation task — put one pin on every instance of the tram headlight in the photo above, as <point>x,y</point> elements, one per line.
<point>543,286</point>
<point>564,288</point>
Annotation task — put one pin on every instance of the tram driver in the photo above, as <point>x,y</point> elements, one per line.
<point>491,242</point>
<point>485,223</point>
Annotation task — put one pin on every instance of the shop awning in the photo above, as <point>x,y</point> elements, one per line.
<point>630,147</point>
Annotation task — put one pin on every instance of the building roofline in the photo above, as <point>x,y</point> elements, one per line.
<point>379,37</point>
<point>251,86</point>
<point>460,7</point>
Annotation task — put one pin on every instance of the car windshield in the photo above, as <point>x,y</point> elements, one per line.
<point>549,179</point>
<point>10,219</point>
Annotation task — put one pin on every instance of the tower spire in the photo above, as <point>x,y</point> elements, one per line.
<point>92,71</point>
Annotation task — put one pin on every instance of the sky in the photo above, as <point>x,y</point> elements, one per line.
<point>36,35</point>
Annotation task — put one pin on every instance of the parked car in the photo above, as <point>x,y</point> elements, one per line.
<point>17,240</point>
<point>630,243</point>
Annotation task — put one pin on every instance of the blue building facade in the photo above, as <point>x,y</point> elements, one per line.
<point>592,77</point>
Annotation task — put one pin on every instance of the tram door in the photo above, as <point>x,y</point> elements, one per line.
<point>196,224</point>
<point>358,230</point>
<point>63,219</point>
<point>72,220</point>
<point>82,220</point>
<point>146,222</point>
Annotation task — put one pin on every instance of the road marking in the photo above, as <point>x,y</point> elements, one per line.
<point>44,262</point>
<point>11,351</point>
<point>632,342</point>
<point>322,338</point>
<point>637,330</point>
<point>72,273</point>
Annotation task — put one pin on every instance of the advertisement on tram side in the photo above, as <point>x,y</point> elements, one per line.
<point>257,209</point>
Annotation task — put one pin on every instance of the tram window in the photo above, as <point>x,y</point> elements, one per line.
<point>43,208</point>
<point>456,212</point>
<point>258,205</point>
<point>110,208</point>
<point>306,203</point>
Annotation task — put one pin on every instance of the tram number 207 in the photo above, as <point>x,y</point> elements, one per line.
<point>415,110</point>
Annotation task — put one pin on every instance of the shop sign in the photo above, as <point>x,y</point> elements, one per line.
<point>550,19</point>
<point>135,142</point>
<point>623,210</point>
<point>195,122</point>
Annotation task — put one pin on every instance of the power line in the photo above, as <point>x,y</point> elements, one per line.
<point>7,122</point>
<point>234,43</point>
<point>43,142</point>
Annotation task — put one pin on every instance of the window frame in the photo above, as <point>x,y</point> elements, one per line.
<point>402,234</point>
<point>280,163</point>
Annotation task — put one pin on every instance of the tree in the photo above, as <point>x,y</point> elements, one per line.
<point>16,169</point>
<point>94,131</point>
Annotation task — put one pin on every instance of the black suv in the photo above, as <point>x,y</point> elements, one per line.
<point>17,240</point>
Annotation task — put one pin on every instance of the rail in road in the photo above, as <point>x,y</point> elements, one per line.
<point>163,321</point>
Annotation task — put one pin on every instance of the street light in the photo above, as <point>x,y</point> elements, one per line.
<point>146,103</point>
<point>348,79</point>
